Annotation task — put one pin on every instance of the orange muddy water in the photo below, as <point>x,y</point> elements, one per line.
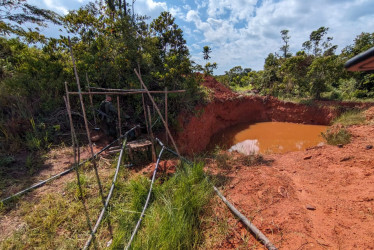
<point>269,137</point>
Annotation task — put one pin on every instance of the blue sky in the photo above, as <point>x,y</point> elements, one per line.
<point>244,32</point>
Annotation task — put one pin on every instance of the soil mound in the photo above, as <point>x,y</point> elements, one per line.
<point>220,91</point>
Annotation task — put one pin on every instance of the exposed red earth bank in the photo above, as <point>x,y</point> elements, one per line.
<point>228,109</point>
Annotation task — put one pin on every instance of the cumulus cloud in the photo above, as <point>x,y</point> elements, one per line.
<point>150,8</point>
<point>243,32</point>
<point>56,6</point>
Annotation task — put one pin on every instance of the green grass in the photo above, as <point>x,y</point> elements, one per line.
<point>350,118</point>
<point>57,220</point>
<point>337,136</point>
<point>237,88</point>
<point>173,220</point>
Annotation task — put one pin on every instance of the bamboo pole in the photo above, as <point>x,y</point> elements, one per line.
<point>76,162</point>
<point>152,137</point>
<point>259,235</point>
<point>158,110</point>
<point>125,93</point>
<point>87,130</point>
<point>91,102</point>
<point>119,117</point>
<point>143,100</point>
<point>166,112</point>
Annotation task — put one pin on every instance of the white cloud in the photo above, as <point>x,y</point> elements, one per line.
<point>241,33</point>
<point>55,6</point>
<point>176,12</point>
<point>244,32</point>
<point>150,8</point>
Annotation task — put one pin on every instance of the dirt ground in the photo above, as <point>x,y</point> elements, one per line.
<point>321,198</point>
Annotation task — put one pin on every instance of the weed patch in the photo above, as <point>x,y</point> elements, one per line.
<point>173,218</point>
<point>350,118</point>
<point>337,135</point>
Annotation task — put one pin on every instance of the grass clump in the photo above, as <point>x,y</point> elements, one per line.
<point>173,217</point>
<point>337,135</point>
<point>349,118</point>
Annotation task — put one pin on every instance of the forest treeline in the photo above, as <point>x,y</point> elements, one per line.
<point>315,71</point>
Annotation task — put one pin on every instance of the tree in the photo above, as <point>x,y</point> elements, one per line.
<point>286,47</point>
<point>206,51</point>
<point>318,44</point>
<point>362,42</point>
<point>171,57</point>
<point>15,13</point>
<point>209,67</point>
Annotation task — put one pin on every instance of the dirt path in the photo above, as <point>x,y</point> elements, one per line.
<point>322,198</point>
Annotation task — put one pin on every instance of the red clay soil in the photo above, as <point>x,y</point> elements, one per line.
<point>228,109</point>
<point>321,198</point>
<point>220,91</point>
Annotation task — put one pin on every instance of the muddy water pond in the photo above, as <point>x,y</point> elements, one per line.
<point>268,137</point>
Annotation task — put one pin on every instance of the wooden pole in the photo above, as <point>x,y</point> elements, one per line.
<point>132,90</point>
<point>119,117</point>
<point>145,112</point>
<point>158,111</point>
<point>91,102</point>
<point>88,131</point>
<point>76,153</point>
<point>124,93</point>
<point>166,112</point>
<point>152,137</point>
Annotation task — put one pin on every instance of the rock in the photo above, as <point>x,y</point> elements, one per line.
<point>369,147</point>
<point>346,158</point>
<point>307,157</point>
<point>310,207</point>
<point>340,145</point>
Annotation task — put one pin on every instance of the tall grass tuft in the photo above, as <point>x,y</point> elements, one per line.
<point>173,218</point>
<point>337,135</point>
<point>349,118</point>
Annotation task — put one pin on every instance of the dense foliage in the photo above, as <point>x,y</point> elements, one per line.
<point>109,41</point>
<point>315,71</point>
